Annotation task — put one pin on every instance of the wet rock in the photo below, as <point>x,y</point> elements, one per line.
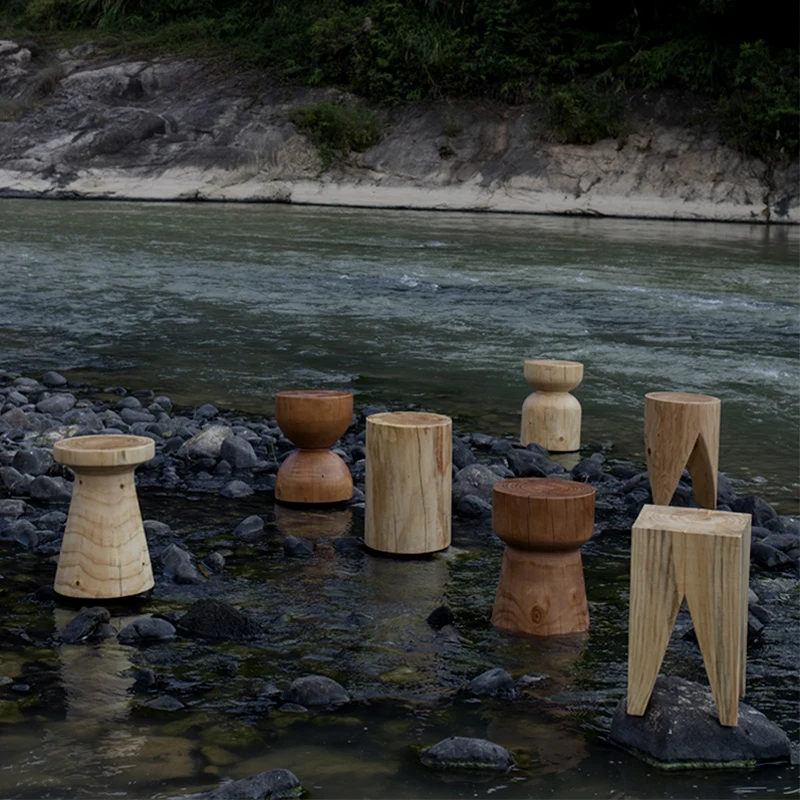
<point>350,546</point>
<point>681,728</point>
<point>472,507</point>
<point>238,452</point>
<point>215,619</point>
<point>36,461</point>
<point>155,530</point>
<point>297,547</point>
<point>12,508</point>
<point>165,703</point>
<point>15,418</point>
<point>461,752</point>
<point>207,443</point>
<point>144,678</point>
<point>104,631</point>
<point>440,617</point>
<point>15,481</point>
<point>22,532</point>
<point>50,490</point>
<point>177,564</point>
<point>482,440</point>
<point>146,630</point>
<point>164,402</point>
<point>207,411</point>
<point>276,784</point>
<point>52,519</point>
<point>493,683</point>
<point>236,490</point>
<point>783,541</point>
<point>215,562</point>
<point>527,463</point>
<point>766,556</point>
<point>448,634</point>
<point>462,455</point>
<point>316,690</point>
<point>725,491</point>
<point>475,479</point>
<point>500,447</point>
<point>759,508</point>
<point>131,416</point>
<point>56,405</point>
<point>83,625</point>
<point>250,529</point>
<point>589,470</point>
<point>292,708</point>
<point>53,380</point>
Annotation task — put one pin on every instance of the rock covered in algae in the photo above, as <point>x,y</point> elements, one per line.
<point>271,785</point>
<point>315,690</point>
<point>681,730</point>
<point>215,619</point>
<point>461,752</point>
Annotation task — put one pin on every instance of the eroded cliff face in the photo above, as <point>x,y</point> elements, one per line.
<point>80,124</point>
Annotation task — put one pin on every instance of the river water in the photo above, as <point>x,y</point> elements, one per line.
<point>231,303</point>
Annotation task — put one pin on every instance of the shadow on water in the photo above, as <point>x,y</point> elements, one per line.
<point>82,729</point>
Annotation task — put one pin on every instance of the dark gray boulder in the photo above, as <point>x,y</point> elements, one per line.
<point>767,556</point>
<point>462,454</point>
<point>83,625</point>
<point>298,547</point>
<point>36,461</point>
<point>681,729</point>
<point>12,508</point>
<point>53,380</point>
<point>15,481</point>
<point>250,529</point>
<point>56,405</point>
<point>475,479</point>
<point>316,690</point>
<point>461,752</point>
<point>238,452</point>
<point>276,784</point>
<point>178,565</point>
<point>50,490</point>
<point>472,507</point>
<point>21,531</point>
<point>527,463</point>
<point>761,510</point>
<point>492,683</point>
<point>215,619</point>
<point>146,630</point>
<point>207,443</point>
<point>236,489</point>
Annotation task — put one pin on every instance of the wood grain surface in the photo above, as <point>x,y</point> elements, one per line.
<point>551,416</point>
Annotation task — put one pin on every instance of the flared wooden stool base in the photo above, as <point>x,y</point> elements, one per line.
<point>314,419</point>
<point>104,554</point>
<point>682,430</point>
<point>703,556</point>
<point>313,476</point>
<point>408,482</point>
<point>551,416</point>
<point>544,522</point>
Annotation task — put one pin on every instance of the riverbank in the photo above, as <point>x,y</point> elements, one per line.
<point>80,124</point>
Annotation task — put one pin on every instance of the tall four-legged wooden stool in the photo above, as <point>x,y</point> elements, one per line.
<point>703,556</point>
<point>682,430</point>
<point>544,522</point>
<point>408,482</point>
<point>551,416</point>
<point>104,554</point>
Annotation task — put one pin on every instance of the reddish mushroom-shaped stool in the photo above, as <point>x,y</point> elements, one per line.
<point>313,420</point>
<point>544,522</point>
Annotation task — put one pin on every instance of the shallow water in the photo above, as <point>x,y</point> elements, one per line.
<point>229,304</point>
<point>81,731</point>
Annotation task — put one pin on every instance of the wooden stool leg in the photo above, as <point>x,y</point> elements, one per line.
<point>745,610</point>
<point>713,591</point>
<point>542,594</point>
<point>655,598</point>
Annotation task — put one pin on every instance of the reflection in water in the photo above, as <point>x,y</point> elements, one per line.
<point>313,523</point>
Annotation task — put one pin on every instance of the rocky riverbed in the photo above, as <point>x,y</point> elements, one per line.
<point>82,123</point>
<point>273,639</point>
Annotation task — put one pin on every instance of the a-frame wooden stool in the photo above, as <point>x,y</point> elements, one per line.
<point>703,556</point>
<point>682,430</point>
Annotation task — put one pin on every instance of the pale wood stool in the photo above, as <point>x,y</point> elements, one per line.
<point>408,482</point>
<point>704,556</point>
<point>682,430</point>
<point>544,522</point>
<point>104,554</point>
<point>314,421</point>
<point>551,416</point>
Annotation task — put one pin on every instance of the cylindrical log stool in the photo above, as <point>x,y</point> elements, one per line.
<point>104,553</point>
<point>551,416</point>
<point>314,421</point>
<point>544,522</point>
<point>408,481</point>
<point>682,430</point>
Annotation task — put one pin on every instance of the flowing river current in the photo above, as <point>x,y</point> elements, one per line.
<point>231,303</point>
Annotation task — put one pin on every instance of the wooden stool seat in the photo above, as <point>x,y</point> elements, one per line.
<point>682,430</point>
<point>314,420</point>
<point>551,416</point>
<point>544,522</point>
<point>704,556</point>
<point>104,554</point>
<point>408,482</point>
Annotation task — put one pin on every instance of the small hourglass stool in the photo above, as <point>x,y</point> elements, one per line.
<point>314,420</point>
<point>551,416</point>
<point>408,482</point>
<point>682,430</point>
<point>544,522</point>
<point>704,556</point>
<point>104,554</point>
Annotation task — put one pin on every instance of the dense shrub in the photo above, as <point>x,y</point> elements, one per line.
<point>583,115</point>
<point>337,129</point>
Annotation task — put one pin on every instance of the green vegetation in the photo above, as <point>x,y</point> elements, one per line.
<point>582,58</point>
<point>337,129</point>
